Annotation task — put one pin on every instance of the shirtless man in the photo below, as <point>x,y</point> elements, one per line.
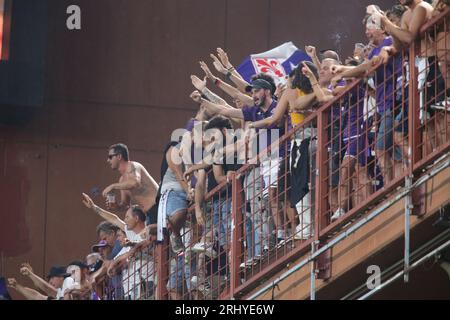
<point>136,185</point>
<point>418,13</point>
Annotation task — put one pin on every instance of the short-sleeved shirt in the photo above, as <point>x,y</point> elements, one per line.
<point>255,113</point>
<point>354,112</point>
<point>230,165</point>
<point>67,284</point>
<point>140,267</point>
<point>115,250</point>
<point>336,108</point>
<point>385,78</point>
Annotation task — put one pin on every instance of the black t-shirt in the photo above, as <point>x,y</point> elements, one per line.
<point>227,166</point>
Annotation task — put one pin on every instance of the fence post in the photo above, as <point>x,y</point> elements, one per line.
<point>162,261</point>
<point>236,234</point>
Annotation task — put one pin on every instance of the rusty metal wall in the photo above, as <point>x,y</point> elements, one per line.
<point>125,77</point>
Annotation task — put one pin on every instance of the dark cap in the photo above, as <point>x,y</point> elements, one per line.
<point>58,272</point>
<point>259,84</point>
<point>99,245</point>
<point>80,264</point>
<point>95,266</point>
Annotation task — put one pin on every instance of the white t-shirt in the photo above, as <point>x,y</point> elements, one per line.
<point>68,283</point>
<point>140,268</point>
<point>132,236</point>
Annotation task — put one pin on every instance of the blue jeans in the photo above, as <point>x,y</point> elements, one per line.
<point>253,230</point>
<point>385,135</point>
<point>222,219</point>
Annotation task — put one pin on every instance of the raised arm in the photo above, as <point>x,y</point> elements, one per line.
<point>108,216</point>
<point>405,34</point>
<point>28,293</point>
<point>200,85</point>
<point>311,52</point>
<point>278,113</point>
<point>320,94</point>
<point>213,108</point>
<point>231,71</point>
<point>342,72</point>
<point>230,90</point>
<point>39,283</point>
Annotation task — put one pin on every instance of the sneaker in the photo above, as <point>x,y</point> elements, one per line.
<point>249,263</point>
<point>176,243</point>
<point>442,105</point>
<point>194,282</point>
<point>205,290</point>
<point>339,213</point>
<point>205,247</point>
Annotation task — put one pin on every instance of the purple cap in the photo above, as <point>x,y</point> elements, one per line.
<point>99,245</point>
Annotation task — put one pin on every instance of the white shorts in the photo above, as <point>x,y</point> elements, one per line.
<point>269,170</point>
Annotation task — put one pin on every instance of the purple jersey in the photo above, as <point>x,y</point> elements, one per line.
<point>337,107</point>
<point>354,112</point>
<point>255,113</point>
<point>385,78</point>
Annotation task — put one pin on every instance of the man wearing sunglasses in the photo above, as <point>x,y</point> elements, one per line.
<point>136,185</point>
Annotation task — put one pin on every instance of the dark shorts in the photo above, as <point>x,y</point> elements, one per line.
<point>337,153</point>
<point>152,215</point>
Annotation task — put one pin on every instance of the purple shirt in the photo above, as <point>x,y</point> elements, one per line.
<point>337,107</point>
<point>385,78</point>
<point>255,113</point>
<point>354,112</point>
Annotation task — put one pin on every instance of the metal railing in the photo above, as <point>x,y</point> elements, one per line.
<point>342,161</point>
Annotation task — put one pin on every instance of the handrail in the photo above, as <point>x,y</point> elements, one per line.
<point>279,257</point>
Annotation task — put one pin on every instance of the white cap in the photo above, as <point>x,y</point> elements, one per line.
<point>373,22</point>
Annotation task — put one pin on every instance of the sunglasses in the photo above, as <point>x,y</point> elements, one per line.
<point>110,156</point>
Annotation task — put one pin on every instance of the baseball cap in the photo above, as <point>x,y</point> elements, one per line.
<point>373,22</point>
<point>80,264</point>
<point>99,245</point>
<point>57,271</point>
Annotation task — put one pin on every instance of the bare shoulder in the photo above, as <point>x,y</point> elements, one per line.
<point>428,7</point>
<point>406,18</point>
<point>136,165</point>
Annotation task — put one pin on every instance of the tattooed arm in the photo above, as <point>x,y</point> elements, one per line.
<point>133,180</point>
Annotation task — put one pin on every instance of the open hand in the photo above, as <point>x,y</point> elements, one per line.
<point>207,71</point>
<point>198,84</point>
<point>224,58</point>
<point>218,65</point>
